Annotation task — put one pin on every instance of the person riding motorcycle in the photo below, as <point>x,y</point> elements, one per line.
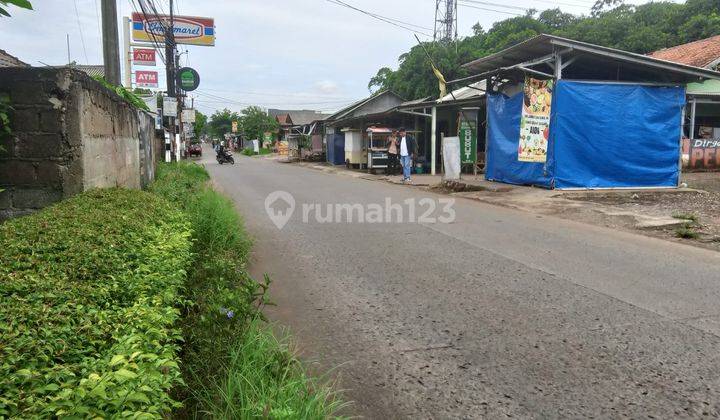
<point>223,155</point>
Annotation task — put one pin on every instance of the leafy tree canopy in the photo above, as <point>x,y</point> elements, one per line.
<point>641,29</point>
<point>255,122</point>
<point>200,124</point>
<point>220,123</point>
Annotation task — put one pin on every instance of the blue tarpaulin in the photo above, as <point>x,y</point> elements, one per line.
<point>616,135</point>
<point>502,163</point>
<point>602,135</point>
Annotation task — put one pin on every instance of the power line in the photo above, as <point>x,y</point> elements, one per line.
<point>217,98</point>
<point>491,10</point>
<point>82,38</point>
<point>404,25</point>
<point>270,94</point>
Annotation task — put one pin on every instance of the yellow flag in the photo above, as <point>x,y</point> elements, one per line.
<point>441,81</point>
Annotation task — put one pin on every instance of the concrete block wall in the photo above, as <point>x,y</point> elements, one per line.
<point>70,134</point>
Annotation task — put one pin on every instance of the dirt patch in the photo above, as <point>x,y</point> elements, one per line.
<point>700,210</point>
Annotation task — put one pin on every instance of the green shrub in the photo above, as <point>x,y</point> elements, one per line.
<point>248,151</point>
<point>90,291</point>
<point>690,217</point>
<point>686,233</point>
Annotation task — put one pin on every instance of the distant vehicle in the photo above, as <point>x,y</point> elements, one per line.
<point>225,157</point>
<point>195,149</point>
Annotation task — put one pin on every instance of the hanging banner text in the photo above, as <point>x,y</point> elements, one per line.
<point>535,120</point>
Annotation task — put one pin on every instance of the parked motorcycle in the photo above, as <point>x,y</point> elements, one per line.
<point>225,157</point>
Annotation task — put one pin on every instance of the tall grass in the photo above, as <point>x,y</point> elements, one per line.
<point>233,366</point>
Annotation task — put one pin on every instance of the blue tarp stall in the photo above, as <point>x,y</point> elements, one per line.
<point>336,148</point>
<point>602,135</point>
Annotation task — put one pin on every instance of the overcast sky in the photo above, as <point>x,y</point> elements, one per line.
<point>295,54</point>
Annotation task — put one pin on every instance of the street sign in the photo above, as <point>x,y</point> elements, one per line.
<point>146,78</point>
<point>170,106</point>
<point>188,30</point>
<point>143,57</point>
<point>234,126</point>
<point>188,115</point>
<point>468,135</point>
<point>188,79</point>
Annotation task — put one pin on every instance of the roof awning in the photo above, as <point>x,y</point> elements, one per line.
<point>589,61</point>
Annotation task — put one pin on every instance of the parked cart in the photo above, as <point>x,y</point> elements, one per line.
<point>377,154</point>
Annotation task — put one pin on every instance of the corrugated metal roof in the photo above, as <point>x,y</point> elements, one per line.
<point>595,56</point>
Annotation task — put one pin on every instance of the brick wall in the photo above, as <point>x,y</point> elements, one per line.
<point>70,134</point>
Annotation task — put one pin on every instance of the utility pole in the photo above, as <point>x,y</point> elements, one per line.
<point>170,74</point>
<point>111,49</point>
<point>67,37</point>
<point>127,59</point>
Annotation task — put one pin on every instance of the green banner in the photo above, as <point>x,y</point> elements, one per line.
<point>468,136</point>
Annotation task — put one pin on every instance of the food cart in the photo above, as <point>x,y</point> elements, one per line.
<point>355,152</point>
<point>377,154</point>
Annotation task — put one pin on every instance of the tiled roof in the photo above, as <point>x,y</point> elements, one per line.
<point>7,60</point>
<point>702,53</point>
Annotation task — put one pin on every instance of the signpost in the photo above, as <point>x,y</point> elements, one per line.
<point>146,78</point>
<point>188,30</point>
<point>468,135</point>
<point>143,57</point>
<point>188,79</point>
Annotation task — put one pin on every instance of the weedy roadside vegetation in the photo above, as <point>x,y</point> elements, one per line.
<point>233,366</point>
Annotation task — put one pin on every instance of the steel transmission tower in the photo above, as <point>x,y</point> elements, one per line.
<point>445,20</point>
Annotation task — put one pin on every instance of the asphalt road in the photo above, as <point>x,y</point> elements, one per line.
<point>499,313</point>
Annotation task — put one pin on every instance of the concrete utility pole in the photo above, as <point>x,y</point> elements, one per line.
<point>111,47</point>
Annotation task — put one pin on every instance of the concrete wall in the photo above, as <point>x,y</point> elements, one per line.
<point>70,134</point>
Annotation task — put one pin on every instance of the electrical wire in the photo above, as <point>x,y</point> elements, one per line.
<point>491,10</point>
<point>404,25</point>
<point>82,38</point>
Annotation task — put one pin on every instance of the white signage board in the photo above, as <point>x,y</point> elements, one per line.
<point>169,107</point>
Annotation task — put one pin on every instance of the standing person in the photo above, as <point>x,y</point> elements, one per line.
<point>408,149</point>
<point>392,145</point>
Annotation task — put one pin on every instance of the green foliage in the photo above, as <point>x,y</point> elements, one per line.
<point>640,29</point>
<point>24,4</point>
<point>686,232</point>
<point>265,380</point>
<point>255,122</point>
<point>691,217</point>
<point>90,291</point>
<point>5,126</point>
<point>200,123</point>
<point>248,151</point>
<point>232,365</point>
<point>126,94</point>
<point>221,123</point>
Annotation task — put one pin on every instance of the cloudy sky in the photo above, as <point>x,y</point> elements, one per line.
<point>311,54</point>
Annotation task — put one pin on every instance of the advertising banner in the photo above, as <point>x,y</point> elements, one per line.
<point>535,120</point>
<point>267,138</point>
<point>702,154</point>
<point>143,57</point>
<point>189,30</point>
<point>468,135</point>
<point>188,115</point>
<point>170,107</point>
<point>146,78</point>
<point>234,126</point>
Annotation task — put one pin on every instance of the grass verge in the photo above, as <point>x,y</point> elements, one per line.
<point>233,366</point>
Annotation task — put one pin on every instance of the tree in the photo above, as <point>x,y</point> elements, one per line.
<point>24,4</point>
<point>221,123</point>
<point>641,29</point>
<point>255,122</point>
<point>200,123</point>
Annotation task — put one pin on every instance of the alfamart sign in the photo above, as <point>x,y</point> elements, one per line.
<point>189,30</point>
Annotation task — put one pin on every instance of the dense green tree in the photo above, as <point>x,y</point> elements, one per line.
<point>639,29</point>
<point>200,124</point>
<point>255,122</point>
<point>220,123</point>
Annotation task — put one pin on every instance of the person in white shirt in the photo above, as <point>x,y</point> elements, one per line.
<point>408,151</point>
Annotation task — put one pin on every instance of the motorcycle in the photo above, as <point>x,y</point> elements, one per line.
<point>225,157</point>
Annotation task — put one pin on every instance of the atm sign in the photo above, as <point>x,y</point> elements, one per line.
<point>144,57</point>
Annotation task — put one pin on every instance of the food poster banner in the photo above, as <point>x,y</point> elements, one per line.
<point>535,121</point>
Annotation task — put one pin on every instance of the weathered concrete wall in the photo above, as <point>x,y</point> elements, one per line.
<point>70,134</point>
